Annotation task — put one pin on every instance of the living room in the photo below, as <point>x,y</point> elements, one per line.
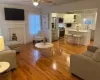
<point>28,53</point>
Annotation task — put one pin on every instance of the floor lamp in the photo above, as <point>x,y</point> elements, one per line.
<point>1,43</point>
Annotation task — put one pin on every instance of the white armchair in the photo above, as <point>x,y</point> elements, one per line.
<point>39,37</point>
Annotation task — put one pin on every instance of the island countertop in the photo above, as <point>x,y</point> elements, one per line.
<point>85,36</point>
<point>78,30</point>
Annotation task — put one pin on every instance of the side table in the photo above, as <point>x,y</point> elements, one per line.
<point>4,66</point>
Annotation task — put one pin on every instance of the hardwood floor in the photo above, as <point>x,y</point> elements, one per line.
<point>35,65</point>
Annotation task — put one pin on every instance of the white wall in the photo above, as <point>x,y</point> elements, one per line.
<point>97,31</point>
<point>87,16</point>
<point>15,26</point>
<point>80,5</point>
<point>45,26</point>
<point>0,32</point>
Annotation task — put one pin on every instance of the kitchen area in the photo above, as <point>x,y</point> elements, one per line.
<point>76,27</point>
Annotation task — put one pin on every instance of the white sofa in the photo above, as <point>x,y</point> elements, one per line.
<point>14,45</point>
<point>85,65</point>
<point>9,55</point>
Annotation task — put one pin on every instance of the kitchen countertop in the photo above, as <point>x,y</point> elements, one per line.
<point>84,40</point>
<point>78,31</point>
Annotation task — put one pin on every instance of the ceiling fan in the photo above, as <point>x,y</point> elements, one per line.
<point>36,2</point>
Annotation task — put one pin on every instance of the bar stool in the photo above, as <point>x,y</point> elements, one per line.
<point>68,36</point>
<point>78,38</point>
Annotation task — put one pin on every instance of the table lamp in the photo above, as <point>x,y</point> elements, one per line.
<point>1,43</point>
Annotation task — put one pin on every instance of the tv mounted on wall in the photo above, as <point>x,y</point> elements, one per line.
<point>14,14</point>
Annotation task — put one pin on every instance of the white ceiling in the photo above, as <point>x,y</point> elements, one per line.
<point>84,11</point>
<point>29,2</point>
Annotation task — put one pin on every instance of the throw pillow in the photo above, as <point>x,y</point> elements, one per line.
<point>92,48</point>
<point>88,54</point>
<point>96,55</point>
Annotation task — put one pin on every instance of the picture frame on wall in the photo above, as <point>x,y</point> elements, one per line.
<point>45,23</point>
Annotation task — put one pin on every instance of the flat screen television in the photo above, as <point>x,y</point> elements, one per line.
<point>14,14</point>
<point>60,20</point>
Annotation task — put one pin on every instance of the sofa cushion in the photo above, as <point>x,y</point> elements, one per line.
<point>88,54</point>
<point>7,48</point>
<point>14,45</point>
<point>11,43</point>
<point>96,55</point>
<point>92,48</point>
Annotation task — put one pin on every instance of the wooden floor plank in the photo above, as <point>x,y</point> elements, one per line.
<point>36,65</point>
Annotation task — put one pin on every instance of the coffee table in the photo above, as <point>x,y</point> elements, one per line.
<point>4,66</point>
<point>43,46</point>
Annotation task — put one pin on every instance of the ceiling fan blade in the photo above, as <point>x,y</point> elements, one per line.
<point>25,1</point>
<point>36,0</point>
<point>46,1</point>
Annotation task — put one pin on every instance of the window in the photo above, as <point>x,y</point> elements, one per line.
<point>34,23</point>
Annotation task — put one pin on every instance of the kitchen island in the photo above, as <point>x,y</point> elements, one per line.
<point>84,39</point>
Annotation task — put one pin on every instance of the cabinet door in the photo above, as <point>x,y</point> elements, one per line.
<point>69,18</point>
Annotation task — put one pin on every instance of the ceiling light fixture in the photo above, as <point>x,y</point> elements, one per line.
<point>35,2</point>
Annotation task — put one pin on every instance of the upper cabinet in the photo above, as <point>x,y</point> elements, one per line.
<point>69,18</point>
